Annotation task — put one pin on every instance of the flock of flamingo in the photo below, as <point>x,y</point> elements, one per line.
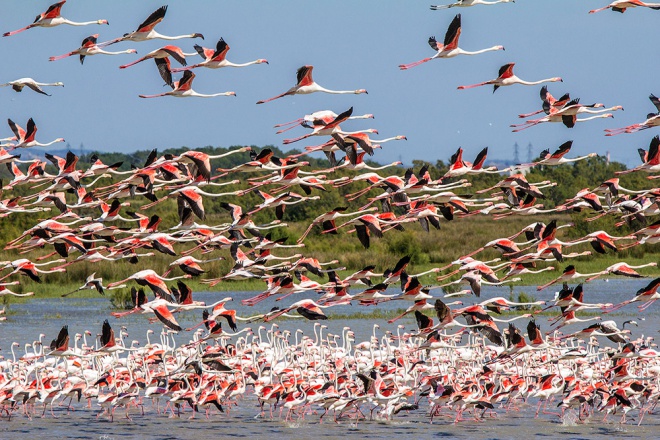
<point>430,371</point>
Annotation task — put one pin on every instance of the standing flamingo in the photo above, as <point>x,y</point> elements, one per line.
<point>307,85</point>
<point>450,47</point>
<point>507,78</point>
<point>52,18</point>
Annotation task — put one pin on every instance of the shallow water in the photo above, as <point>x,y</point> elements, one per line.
<point>48,315</point>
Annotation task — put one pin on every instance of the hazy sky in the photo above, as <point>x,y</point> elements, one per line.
<point>606,57</point>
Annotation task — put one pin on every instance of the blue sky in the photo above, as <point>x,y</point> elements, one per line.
<point>605,57</point>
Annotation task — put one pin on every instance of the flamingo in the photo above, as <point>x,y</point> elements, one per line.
<point>19,84</point>
<point>549,103</point>
<point>92,282</point>
<point>622,5</point>
<point>507,78</point>
<point>468,3</point>
<point>652,120</point>
<point>558,157</point>
<point>568,120</point>
<point>652,163</point>
<point>450,47</point>
<point>216,59</point>
<point>28,268</point>
<point>648,294</point>
<point>163,52</point>
<point>306,307</point>
<point>89,47</point>
<point>622,269</point>
<point>313,119</point>
<point>25,138</point>
<point>148,277</point>
<point>146,30</point>
<point>328,220</point>
<point>52,18</point>
<point>183,87</point>
<point>307,85</point>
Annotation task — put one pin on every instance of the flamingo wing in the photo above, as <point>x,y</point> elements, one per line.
<point>52,12</point>
<point>481,158</point>
<point>107,335</point>
<point>165,316</point>
<point>175,53</point>
<point>453,33</point>
<point>151,21</point>
<point>506,71</point>
<point>16,129</point>
<point>655,101</point>
<point>304,76</point>
<point>221,50</point>
<point>562,150</point>
<point>311,312</point>
<point>434,44</point>
<point>62,341</point>
<point>89,42</point>
<point>165,70</point>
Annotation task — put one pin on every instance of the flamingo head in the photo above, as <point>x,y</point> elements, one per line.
<point>59,83</point>
<point>401,138</point>
<point>60,139</point>
<point>360,91</point>
<point>198,35</point>
<point>131,51</point>
<point>556,79</point>
<point>262,61</point>
<point>102,22</point>
<point>231,93</point>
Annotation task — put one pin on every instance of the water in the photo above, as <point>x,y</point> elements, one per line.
<point>47,316</point>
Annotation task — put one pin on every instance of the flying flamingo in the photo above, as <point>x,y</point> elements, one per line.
<point>652,120</point>
<point>149,277</point>
<point>468,3</point>
<point>328,220</point>
<point>313,119</point>
<point>26,138</point>
<point>622,269</point>
<point>450,47</point>
<point>648,294</point>
<point>216,59</point>
<point>557,158</point>
<point>622,5</point>
<point>146,30</point>
<point>307,85</point>
<point>183,87</point>
<point>89,47</point>
<point>52,18</point>
<point>28,268</point>
<point>549,102</point>
<point>19,84</point>
<point>507,78</point>
<point>92,282</point>
<point>652,163</point>
<point>306,307</point>
<point>163,52</point>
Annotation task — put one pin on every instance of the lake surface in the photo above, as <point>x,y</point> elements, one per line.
<point>48,315</point>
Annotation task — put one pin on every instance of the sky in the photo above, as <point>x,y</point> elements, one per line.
<point>605,57</point>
